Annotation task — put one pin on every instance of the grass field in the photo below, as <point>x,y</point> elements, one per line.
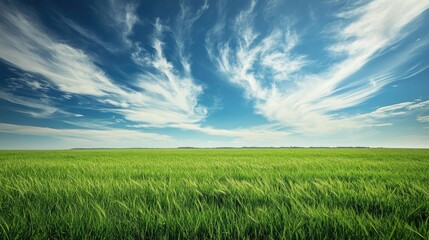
<point>215,194</point>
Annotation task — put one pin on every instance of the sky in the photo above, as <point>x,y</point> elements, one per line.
<point>124,74</point>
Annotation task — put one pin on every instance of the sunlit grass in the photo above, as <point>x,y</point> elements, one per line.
<point>220,194</point>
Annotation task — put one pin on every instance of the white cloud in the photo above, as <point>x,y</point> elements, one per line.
<point>423,119</point>
<point>262,134</point>
<point>256,63</point>
<point>422,105</point>
<point>395,109</point>
<point>96,136</point>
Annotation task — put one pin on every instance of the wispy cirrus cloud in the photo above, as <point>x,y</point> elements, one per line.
<point>253,61</point>
<point>271,72</point>
<point>39,108</point>
<point>170,92</point>
<point>382,115</point>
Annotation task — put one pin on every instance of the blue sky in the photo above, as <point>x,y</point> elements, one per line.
<point>214,73</point>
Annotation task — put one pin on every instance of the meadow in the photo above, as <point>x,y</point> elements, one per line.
<point>215,194</point>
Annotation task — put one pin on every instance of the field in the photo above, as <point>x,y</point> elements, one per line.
<point>215,194</point>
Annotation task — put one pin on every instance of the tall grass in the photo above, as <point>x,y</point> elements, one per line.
<point>215,194</point>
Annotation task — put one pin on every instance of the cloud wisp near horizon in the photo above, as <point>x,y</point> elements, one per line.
<point>205,74</point>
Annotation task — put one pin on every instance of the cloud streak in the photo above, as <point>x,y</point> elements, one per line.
<point>39,108</point>
<point>105,137</point>
<point>423,119</point>
<point>381,115</point>
<point>262,133</point>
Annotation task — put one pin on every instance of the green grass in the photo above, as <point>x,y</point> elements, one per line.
<point>215,194</point>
